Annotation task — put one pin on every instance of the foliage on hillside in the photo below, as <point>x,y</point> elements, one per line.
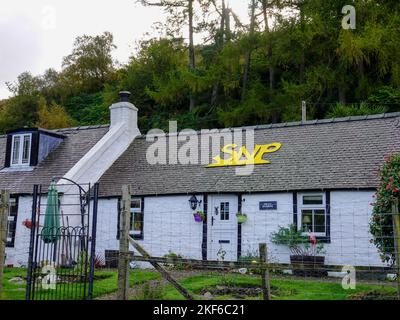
<point>239,75</point>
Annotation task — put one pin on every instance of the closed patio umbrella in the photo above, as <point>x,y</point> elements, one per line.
<point>51,227</point>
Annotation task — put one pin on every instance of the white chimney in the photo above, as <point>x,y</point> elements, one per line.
<point>123,130</point>
<point>89,169</point>
<point>124,113</point>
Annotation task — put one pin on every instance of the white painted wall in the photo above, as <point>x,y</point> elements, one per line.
<point>350,238</point>
<point>107,219</point>
<point>18,255</point>
<point>261,224</point>
<point>106,229</point>
<point>169,227</point>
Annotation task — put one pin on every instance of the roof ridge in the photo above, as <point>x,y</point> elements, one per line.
<point>300,123</point>
<point>96,126</point>
<point>61,130</point>
<point>260,126</point>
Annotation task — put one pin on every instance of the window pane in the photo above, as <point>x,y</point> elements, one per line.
<point>11,222</point>
<point>26,149</point>
<point>136,204</point>
<point>313,199</point>
<point>306,220</point>
<point>319,221</point>
<point>224,210</point>
<point>136,223</point>
<point>138,220</point>
<point>15,152</point>
<point>10,228</point>
<point>136,226</point>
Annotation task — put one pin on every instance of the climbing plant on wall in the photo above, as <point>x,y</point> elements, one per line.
<point>381,225</point>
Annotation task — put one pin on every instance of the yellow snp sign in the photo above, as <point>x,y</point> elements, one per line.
<point>241,157</point>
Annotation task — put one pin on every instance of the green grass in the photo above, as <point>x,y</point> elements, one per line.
<point>103,286</point>
<point>289,289</point>
<point>13,291</point>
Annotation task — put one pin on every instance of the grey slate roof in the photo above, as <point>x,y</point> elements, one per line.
<point>340,153</point>
<point>78,142</point>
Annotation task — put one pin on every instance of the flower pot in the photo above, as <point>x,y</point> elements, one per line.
<point>241,218</point>
<point>27,223</point>
<point>311,266</point>
<point>197,217</point>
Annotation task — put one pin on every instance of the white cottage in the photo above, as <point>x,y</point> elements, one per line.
<point>319,175</point>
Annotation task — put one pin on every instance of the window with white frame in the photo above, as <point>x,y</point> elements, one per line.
<point>21,149</point>
<point>313,213</point>
<point>136,221</point>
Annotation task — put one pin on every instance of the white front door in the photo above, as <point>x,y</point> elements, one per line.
<point>222,223</point>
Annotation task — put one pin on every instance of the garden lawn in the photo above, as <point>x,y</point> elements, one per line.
<point>107,283</point>
<point>288,289</point>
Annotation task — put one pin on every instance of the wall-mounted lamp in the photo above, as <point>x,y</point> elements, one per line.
<point>194,202</point>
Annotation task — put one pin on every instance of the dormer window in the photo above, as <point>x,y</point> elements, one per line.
<point>21,149</point>
<point>27,147</point>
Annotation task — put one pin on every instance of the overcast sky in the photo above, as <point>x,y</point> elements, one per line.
<point>36,34</point>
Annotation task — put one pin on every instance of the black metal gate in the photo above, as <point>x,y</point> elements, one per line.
<point>62,268</point>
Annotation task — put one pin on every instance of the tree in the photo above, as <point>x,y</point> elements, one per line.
<point>90,65</point>
<point>192,61</point>
<point>292,50</point>
<point>299,7</point>
<point>50,86</point>
<point>267,6</point>
<point>26,85</point>
<point>180,12</point>
<point>19,111</point>
<point>341,110</point>
<point>222,34</point>
<point>250,47</point>
<point>219,30</point>
<point>157,78</point>
<point>53,116</point>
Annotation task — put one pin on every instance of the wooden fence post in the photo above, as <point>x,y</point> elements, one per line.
<point>164,273</point>
<point>4,203</point>
<point>264,272</point>
<point>396,235</point>
<point>123,258</point>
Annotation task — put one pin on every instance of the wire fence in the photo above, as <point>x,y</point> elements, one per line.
<point>312,252</point>
<point>55,243</point>
<point>324,245</point>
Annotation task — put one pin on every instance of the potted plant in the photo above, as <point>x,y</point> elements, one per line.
<point>199,216</point>
<point>241,217</point>
<point>305,251</point>
<point>27,223</point>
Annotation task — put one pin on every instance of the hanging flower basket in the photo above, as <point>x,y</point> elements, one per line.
<point>199,216</point>
<point>27,223</point>
<point>241,217</point>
